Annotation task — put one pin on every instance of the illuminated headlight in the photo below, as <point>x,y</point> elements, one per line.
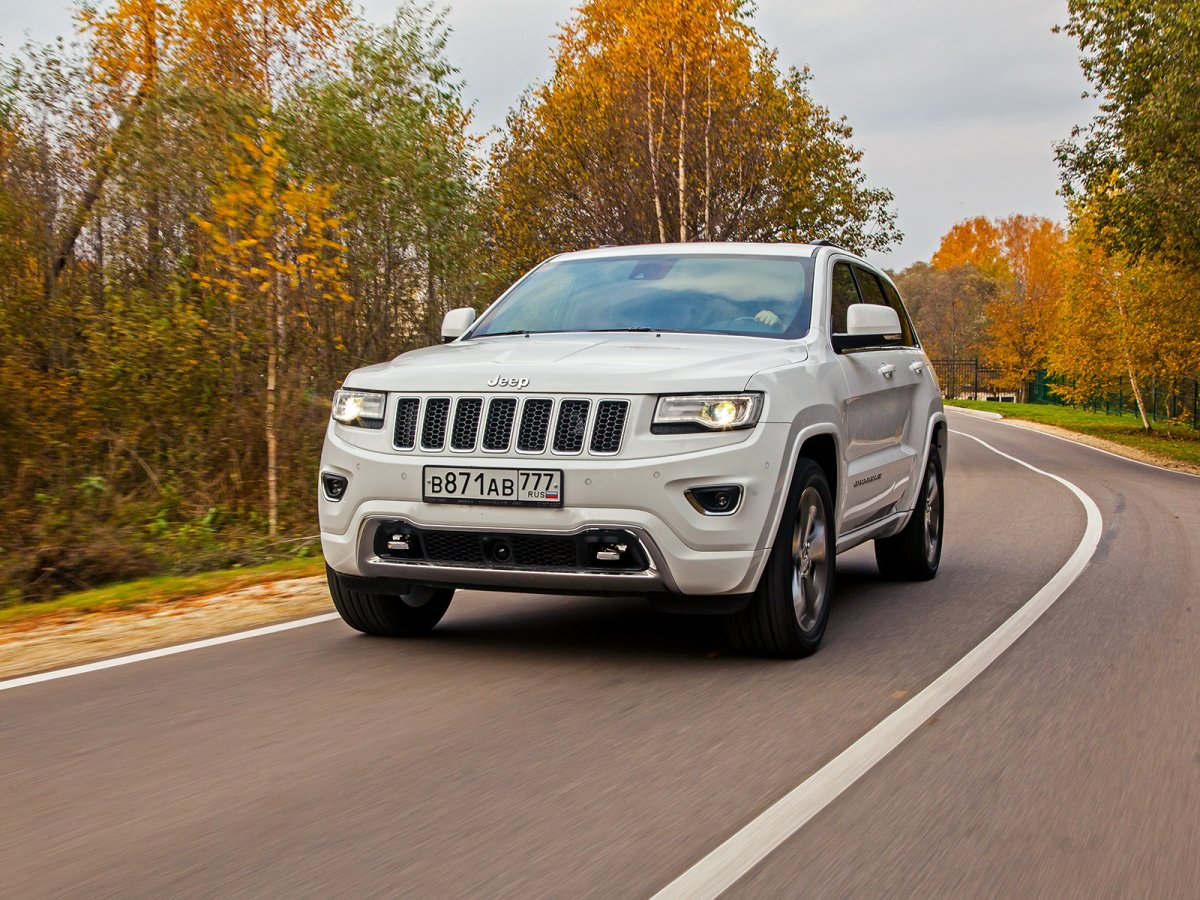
<point>706,412</point>
<point>363,409</point>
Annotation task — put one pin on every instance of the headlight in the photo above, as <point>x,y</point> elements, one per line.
<point>706,412</point>
<point>363,409</point>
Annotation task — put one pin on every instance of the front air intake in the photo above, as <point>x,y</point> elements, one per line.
<point>572,426</point>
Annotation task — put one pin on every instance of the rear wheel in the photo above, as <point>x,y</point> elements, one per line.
<point>408,614</point>
<point>786,615</point>
<point>916,552</point>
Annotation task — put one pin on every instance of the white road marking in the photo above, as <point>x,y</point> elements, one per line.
<point>717,871</point>
<point>54,675</point>
<point>1016,423</point>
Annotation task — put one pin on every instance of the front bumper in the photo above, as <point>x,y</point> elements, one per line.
<point>688,552</point>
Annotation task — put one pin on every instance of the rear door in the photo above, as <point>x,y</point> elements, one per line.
<point>878,410</point>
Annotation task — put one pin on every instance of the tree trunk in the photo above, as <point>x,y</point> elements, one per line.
<point>96,185</point>
<point>708,156</point>
<point>274,330</point>
<point>1133,382</point>
<point>1137,396</point>
<point>653,149</point>
<point>682,156</point>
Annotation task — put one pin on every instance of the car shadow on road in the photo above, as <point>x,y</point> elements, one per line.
<point>604,628</point>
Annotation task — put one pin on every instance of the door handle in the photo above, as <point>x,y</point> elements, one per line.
<point>887,370</point>
<point>918,367</point>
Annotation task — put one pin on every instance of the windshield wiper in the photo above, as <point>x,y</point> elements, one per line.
<point>629,328</point>
<point>501,333</point>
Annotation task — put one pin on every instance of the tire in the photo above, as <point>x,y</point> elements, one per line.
<point>916,552</point>
<point>410,614</point>
<point>786,615</point>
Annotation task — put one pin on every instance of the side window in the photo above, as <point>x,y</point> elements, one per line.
<point>844,293</point>
<point>868,286</point>
<point>873,290</point>
<point>893,299</point>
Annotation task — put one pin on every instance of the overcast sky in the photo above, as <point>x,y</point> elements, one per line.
<point>956,103</point>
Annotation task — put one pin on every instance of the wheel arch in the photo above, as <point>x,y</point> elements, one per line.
<point>821,443</point>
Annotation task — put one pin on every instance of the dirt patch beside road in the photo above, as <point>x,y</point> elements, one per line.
<point>1135,453</point>
<point>69,637</point>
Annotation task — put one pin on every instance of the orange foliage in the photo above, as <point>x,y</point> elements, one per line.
<point>1020,254</point>
<point>253,47</point>
<point>975,242</point>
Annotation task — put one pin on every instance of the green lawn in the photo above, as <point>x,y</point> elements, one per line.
<point>1181,443</point>
<point>165,588</point>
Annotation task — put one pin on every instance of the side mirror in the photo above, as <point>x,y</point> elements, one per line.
<point>868,325</point>
<point>456,322</point>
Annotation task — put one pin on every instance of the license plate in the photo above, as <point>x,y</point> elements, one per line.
<point>499,487</point>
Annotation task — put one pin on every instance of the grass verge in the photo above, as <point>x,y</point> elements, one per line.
<point>164,589</point>
<point>1177,443</point>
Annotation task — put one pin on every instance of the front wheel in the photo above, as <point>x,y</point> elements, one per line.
<point>916,552</point>
<point>409,614</point>
<point>786,615</point>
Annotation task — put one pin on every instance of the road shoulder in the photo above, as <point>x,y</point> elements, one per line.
<point>70,638</point>
<point>1131,453</point>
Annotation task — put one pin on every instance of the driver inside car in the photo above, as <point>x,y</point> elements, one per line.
<point>768,318</point>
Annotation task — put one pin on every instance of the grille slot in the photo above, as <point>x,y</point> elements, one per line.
<point>452,546</point>
<point>433,429</point>
<point>544,552</point>
<point>609,426</point>
<point>466,424</point>
<point>497,431</point>
<point>405,435</point>
<point>535,426</point>
<point>572,426</point>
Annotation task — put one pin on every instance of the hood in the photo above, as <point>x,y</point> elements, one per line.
<point>619,363</point>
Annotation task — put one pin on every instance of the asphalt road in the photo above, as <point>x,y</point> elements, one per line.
<point>546,746</point>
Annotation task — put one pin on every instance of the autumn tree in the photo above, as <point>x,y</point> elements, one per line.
<point>1122,317</point>
<point>228,173</point>
<point>975,242</point>
<point>670,120</point>
<point>1019,254</point>
<point>947,307</point>
<point>1134,166</point>
<point>392,132</point>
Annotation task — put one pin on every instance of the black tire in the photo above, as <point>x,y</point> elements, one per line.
<point>389,615</point>
<point>916,552</point>
<point>788,611</point>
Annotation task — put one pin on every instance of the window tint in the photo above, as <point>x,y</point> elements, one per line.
<point>868,286</point>
<point>893,299</point>
<point>844,293</point>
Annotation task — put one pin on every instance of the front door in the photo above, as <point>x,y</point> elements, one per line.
<point>878,410</point>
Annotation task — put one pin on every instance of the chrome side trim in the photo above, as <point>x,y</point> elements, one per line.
<point>879,528</point>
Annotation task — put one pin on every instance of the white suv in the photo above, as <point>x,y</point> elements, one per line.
<point>706,425</point>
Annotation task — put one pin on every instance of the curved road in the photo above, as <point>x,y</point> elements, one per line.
<point>545,746</point>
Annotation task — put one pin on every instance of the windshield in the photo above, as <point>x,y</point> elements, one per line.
<point>761,296</point>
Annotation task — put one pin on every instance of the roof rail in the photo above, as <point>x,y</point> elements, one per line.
<point>825,242</point>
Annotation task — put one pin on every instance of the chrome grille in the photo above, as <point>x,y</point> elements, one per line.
<point>609,426</point>
<point>405,435</point>
<point>466,424</point>
<point>433,429</point>
<point>497,431</point>
<point>535,425</point>
<point>572,425</point>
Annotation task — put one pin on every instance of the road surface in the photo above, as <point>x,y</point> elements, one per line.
<point>546,746</point>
